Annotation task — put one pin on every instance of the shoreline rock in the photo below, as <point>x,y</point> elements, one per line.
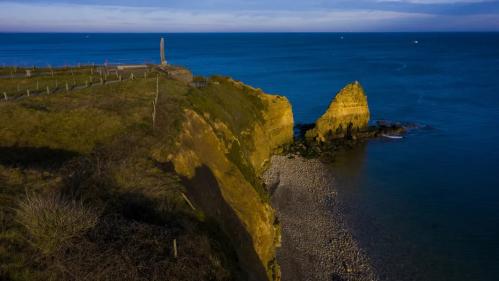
<point>327,150</point>
<point>347,114</point>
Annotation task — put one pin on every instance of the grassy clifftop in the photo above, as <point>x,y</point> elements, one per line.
<point>180,197</point>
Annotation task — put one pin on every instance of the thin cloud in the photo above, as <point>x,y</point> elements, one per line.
<point>437,1</point>
<point>57,17</point>
<point>65,17</point>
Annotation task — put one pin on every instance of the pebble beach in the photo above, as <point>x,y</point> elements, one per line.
<point>316,243</point>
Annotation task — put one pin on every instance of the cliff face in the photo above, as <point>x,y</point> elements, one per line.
<point>226,139</point>
<point>347,114</point>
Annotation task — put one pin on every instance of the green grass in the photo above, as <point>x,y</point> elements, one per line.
<point>238,107</point>
<point>61,80</point>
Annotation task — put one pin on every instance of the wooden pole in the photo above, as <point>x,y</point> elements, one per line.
<point>154,103</point>
<point>175,254</point>
<point>48,90</point>
<point>67,87</point>
<point>188,201</point>
<point>27,92</point>
<point>37,85</point>
<point>5,96</point>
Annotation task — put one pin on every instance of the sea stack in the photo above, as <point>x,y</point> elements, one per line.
<point>347,114</point>
<point>162,51</point>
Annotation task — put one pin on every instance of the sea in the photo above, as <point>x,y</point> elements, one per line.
<point>425,207</point>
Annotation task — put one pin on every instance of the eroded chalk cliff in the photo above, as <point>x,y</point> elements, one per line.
<point>348,113</point>
<point>228,135</point>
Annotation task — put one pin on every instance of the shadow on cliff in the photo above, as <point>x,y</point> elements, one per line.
<point>43,158</point>
<point>204,189</point>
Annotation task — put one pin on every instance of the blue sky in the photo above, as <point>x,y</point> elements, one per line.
<point>247,15</point>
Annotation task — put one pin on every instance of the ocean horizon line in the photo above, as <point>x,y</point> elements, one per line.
<point>253,32</point>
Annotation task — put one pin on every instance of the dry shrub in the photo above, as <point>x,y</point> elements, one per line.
<point>51,220</point>
<point>120,249</point>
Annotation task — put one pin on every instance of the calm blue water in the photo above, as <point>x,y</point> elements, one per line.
<point>429,202</point>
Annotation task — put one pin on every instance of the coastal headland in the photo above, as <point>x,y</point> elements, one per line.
<point>131,173</point>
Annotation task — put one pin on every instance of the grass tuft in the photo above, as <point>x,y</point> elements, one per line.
<point>52,220</point>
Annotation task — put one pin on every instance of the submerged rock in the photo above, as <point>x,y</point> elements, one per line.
<point>347,115</point>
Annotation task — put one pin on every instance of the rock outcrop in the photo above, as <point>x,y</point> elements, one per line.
<point>221,153</point>
<point>347,114</point>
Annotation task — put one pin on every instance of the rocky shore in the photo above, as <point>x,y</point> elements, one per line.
<point>316,242</point>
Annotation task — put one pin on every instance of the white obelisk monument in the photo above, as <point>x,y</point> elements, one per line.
<point>162,51</point>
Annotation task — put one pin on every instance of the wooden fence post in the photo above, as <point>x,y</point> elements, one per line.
<point>5,96</point>
<point>48,90</point>
<point>27,92</point>
<point>175,248</point>
<point>37,85</point>
<point>188,201</point>
<point>154,103</point>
